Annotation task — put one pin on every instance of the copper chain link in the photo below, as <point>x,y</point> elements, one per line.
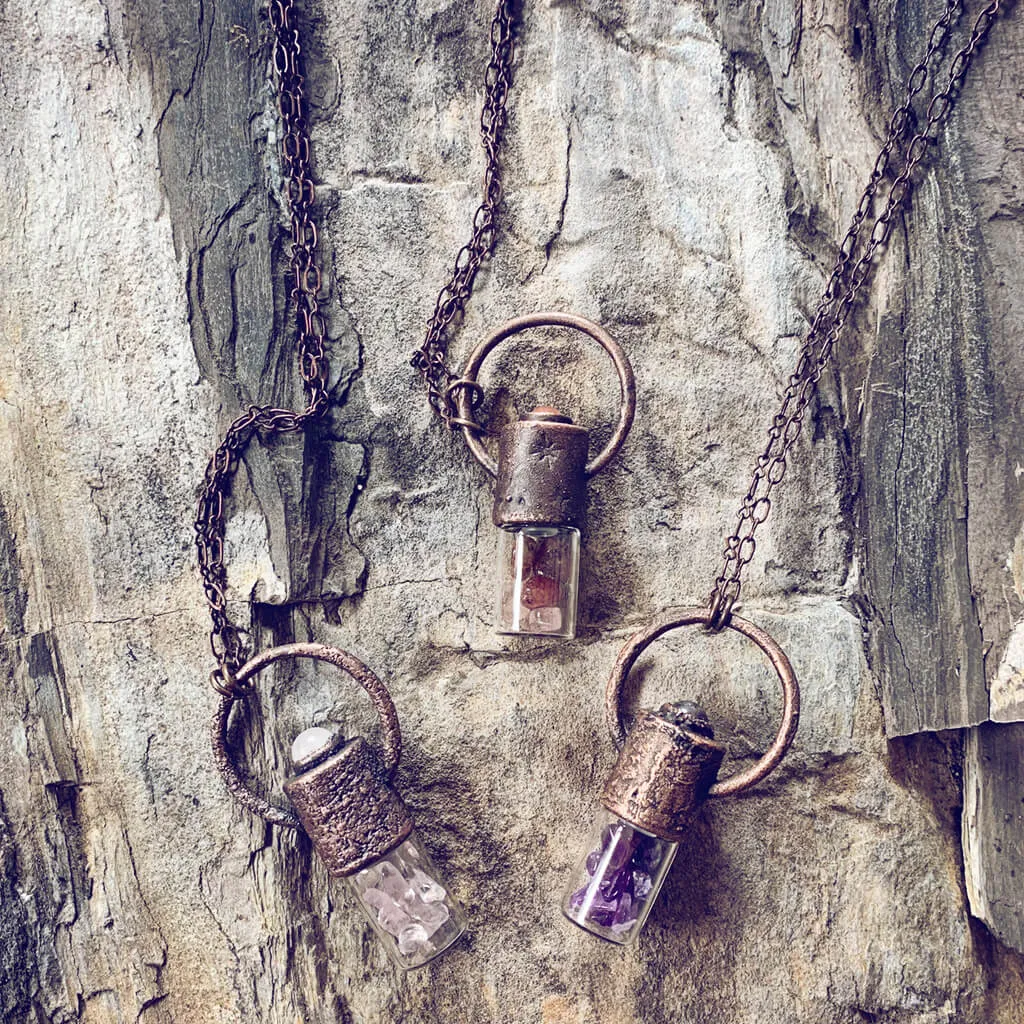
<point>429,358</point>
<point>226,638</point>
<point>844,285</point>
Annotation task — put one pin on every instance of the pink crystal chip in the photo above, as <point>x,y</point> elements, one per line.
<point>409,904</point>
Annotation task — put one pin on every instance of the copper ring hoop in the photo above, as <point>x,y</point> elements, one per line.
<point>675,619</point>
<point>627,384</point>
<point>348,663</point>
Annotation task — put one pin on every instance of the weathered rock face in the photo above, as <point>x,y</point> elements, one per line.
<point>677,171</point>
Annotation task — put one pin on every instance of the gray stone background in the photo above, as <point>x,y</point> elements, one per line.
<point>679,171</point>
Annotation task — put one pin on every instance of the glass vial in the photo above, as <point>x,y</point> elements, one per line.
<point>410,909</point>
<point>538,573</point>
<point>617,881</point>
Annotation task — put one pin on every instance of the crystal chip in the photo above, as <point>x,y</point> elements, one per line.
<point>411,938</point>
<point>426,888</point>
<point>432,916</point>
<point>546,620</point>
<point>393,918</point>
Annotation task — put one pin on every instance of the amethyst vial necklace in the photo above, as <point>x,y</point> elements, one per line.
<point>668,759</point>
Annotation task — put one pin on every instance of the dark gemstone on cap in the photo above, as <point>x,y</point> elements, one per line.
<point>688,715</point>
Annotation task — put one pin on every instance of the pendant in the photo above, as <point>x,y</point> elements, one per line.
<point>667,767</point>
<point>344,801</point>
<point>540,487</point>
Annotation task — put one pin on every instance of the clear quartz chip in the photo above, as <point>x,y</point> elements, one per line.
<point>426,888</point>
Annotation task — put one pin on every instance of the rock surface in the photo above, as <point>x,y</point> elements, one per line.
<point>679,171</point>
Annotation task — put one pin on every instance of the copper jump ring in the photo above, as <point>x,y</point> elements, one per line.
<point>674,619</point>
<point>451,403</point>
<point>720,610</point>
<point>627,385</point>
<point>224,758</point>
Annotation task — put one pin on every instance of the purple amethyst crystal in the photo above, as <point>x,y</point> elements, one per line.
<point>618,878</point>
<point>615,883</point>
<point>641,885</point>
<point>625,915</point>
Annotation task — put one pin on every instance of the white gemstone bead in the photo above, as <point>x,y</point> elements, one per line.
<point>310,742</point>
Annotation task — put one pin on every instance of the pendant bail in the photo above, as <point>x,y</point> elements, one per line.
<point>224,757</point>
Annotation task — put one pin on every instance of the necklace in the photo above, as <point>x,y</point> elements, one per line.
<point>341,791</point>
<point>542,468</point>
<point>668,759</point>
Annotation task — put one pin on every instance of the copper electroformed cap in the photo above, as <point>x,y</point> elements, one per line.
<point>348,808</point>
<point>542,479</point>
<point>666,766</point>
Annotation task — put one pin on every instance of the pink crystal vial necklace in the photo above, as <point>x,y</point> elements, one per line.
<point>341,790</point>
<point>668,759</point>
<point>543,463</point>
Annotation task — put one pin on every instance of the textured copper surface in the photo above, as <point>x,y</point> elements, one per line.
<point>348,809</point>
<point>541,479</point>
<point>674,619</point>
<point>465,402</point>
<point>224,757</point>
<point>663,774</point>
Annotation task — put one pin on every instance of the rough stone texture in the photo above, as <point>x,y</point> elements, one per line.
<point>678,171</point>
<point>993,826</point>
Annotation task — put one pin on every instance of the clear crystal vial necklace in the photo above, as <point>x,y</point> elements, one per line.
<point>669,759</point>
<point>340,789</point>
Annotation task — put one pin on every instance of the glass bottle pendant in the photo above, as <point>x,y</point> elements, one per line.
<point>540,489</point>
<point>539,499</point>
<point>363,832</point>
<point>666,766</point>
<point>618,880</point>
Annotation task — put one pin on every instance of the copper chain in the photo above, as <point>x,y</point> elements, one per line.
<point>429,358</point>
<point>226,638</point>
<point>305,280</point>
<point>844,286</point>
